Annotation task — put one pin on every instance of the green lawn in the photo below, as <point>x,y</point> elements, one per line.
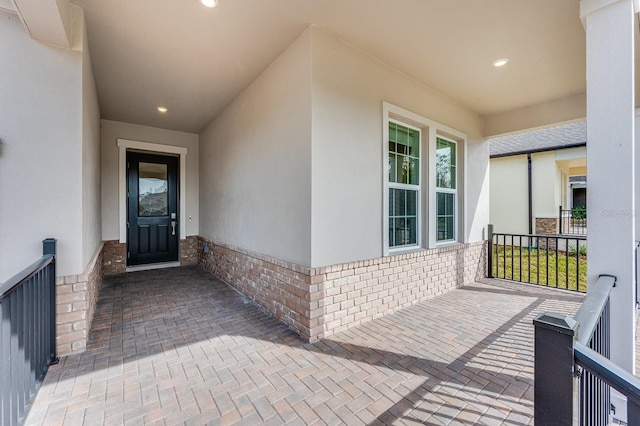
<point>530,266</point>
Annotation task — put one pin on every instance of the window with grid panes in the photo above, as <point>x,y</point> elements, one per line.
<point>404,185</point>
<point>446,191</point>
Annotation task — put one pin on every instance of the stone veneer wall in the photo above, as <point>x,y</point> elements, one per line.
<point>189,251</point>
<point>114,257</point>
<point>547,226</point>
<point>76,298</point>
<point>318,302</point>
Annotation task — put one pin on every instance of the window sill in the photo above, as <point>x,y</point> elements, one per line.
<point>404,250</point>
<point>445,244</point>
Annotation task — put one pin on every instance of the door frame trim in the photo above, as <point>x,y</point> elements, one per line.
<point>154,148</point>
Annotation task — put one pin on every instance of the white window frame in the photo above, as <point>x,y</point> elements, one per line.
<point>454,191</point>
<point>429,131</point>
<point>410,187</point>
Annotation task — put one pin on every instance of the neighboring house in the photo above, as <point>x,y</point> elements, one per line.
<point>535,173</point>
<point>328,159</point>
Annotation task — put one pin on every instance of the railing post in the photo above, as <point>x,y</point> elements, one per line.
<point>490,251</point>
<point>560,220</point>
<point>555,387</point>
<point>49,247</point>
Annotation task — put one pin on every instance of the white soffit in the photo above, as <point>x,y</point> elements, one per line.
<point>48,21</point>
<point>196,60</point>
<point>8,6</point>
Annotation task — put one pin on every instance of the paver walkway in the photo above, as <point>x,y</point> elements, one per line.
<point>177,346</point>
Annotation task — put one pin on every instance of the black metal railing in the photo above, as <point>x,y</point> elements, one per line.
<point>27,334</point>
<point>594,331</point>
<point>552,261</point>
<point>572,222</point>
<point>573,375</point>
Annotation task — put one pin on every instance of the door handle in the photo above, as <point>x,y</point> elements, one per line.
<point>173,227</point>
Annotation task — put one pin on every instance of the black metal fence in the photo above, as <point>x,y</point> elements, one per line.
<point>572,222</point>
<point>573,376</point>
<point>553,261</point>
<point>27,334</point>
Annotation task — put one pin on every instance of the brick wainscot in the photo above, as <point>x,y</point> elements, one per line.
<point>76,298</point>
<point>318,302</point>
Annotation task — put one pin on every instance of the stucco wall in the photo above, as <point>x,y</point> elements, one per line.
<point>91,210</point>
<point>509,192</point>
<point>255,163</point>
<point>347,171</point>
<point>547,184</point>
<point>40,151</point>
<point>114,130</point>
<point>509,196</point>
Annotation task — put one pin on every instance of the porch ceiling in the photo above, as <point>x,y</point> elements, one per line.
<point>195,60</point>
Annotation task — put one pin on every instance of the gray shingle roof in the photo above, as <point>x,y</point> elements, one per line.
<point>538,140</point>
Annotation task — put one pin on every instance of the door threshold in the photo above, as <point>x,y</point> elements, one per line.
<point>150,266</point>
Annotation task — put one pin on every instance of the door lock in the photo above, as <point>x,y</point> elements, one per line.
<point>173,227</point>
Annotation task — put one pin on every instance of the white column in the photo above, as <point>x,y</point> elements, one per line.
<point>610,162</point>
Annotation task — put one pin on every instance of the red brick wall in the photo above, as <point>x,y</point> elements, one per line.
<point>318,302</point>
<point>189,251</point>
<point>114,257</point>
<point>281,288</point>
<point>76,298</point>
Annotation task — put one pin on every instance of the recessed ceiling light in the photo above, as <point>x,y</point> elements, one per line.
<point>209,3</point>
<point>162,109</point>
<point>500,62</point>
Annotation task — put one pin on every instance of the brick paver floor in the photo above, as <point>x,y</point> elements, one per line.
<point>177,346</point>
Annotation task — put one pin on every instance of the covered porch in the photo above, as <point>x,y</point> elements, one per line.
<point>178,345</point>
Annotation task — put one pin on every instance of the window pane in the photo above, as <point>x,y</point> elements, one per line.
<point>412,207</point>
<point>400,232</point>
<point>440,203</point>
<point>412,231</point>
<point>404,155</point>
<point>152,190</point>
<point>392,167</point>
<point>445,205</point>
<point>403,217</point>
<point>400,169</point>
<point>413,143</point>
<point>445,164</point>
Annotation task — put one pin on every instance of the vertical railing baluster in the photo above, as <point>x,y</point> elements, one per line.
<point>557,284</point>
<point>490,251</point>
<point>5,379</point>
<point>577,265</point>
<point>538,260</point>
<point>504,256</point>
<point>512,256</point>
<point>566,264</point>
<point>520,252</point>
<point>547,254</point>
<point>529,259</point>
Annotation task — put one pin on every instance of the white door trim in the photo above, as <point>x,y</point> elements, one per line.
<point>123,145</point>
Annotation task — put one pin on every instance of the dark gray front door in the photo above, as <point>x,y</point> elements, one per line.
<point>152,208</point>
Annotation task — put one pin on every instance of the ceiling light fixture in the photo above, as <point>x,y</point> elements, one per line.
<point>500,62</point>
<point>209,3</point>
<point>162,109</point>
